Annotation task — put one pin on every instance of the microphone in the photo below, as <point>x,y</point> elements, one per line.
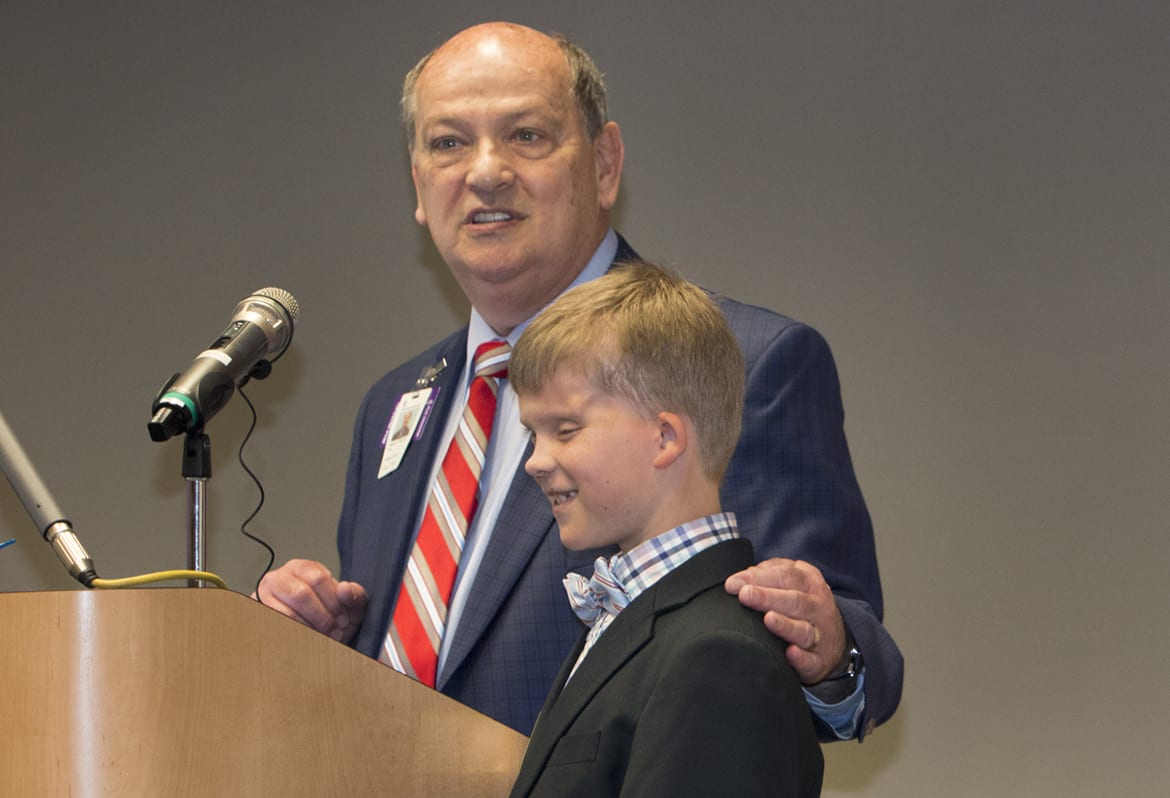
<point>259,332</point>
<point>50,521</point>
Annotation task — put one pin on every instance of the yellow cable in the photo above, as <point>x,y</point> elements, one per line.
<point>160,576</point>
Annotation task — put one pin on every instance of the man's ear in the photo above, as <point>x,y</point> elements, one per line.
<point>609,154</point>
<point>673,439</point>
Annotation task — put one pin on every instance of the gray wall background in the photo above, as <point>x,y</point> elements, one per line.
<point>968,199</point>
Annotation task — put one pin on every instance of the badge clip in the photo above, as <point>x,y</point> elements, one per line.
<point>430,374</point>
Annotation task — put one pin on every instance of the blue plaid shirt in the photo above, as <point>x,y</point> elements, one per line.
<point>640,568</point>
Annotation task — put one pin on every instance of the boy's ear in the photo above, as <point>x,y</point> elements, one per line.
<point>673,439</point>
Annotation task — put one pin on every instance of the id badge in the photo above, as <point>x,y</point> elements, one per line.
<point>400,431</point>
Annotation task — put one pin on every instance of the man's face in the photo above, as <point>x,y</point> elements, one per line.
<point>593,456</point>
<point>515,194</point>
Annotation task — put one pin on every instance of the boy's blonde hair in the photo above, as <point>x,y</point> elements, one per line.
<point>647,335</point>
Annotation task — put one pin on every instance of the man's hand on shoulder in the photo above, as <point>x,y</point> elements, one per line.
<point>306,591</point>
<point>799,608</point>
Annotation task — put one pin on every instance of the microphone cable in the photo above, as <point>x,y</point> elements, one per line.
<point>157,576</point>
<point>260,487</point>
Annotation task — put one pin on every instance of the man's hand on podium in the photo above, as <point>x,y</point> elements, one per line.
<point>306,591</point>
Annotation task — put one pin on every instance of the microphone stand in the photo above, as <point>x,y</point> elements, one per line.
<point>197,470</point>
<point>196,465</point>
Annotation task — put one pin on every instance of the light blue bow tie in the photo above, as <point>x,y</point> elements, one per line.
<point>590,597</point>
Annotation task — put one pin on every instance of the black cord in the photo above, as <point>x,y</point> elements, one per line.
<point>243,527</point>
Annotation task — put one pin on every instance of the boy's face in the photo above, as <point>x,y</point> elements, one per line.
<point>594,458</point>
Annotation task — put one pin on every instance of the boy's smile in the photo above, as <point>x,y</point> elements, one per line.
<point>593,456</point>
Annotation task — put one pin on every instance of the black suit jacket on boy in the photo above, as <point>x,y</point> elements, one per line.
<point>686,693</point>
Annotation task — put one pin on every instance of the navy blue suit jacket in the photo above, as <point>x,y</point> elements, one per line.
<point>790,483</point>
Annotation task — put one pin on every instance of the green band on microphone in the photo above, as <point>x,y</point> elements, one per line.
<point>185,400</point>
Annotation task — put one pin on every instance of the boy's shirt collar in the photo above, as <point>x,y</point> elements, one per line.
<point>632,573</point>
<point>640,568</point>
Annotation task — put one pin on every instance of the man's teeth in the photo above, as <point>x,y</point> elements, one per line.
<point>497,216</point>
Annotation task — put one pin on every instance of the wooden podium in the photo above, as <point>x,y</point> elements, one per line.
<point>176,692</point>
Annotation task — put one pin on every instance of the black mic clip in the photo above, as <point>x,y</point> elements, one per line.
<point>259,372</point>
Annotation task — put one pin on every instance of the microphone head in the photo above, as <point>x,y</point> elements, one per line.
<point>274,310</point>
<point>285,299</point>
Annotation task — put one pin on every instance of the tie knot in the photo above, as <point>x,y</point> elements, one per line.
<point>491,359</point>
<point>601,593</point>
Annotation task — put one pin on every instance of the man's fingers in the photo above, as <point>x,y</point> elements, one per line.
<point>799,608</point>
<point>808,666</point>
<point>793,603</point>
<point>305,602</point>
<point>307,592</point>
<point>788,629</point>
<point>354,599</point>
<point>774,573</point>
<point>805,653</point>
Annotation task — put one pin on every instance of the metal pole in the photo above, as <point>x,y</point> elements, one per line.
<point>197,470</point>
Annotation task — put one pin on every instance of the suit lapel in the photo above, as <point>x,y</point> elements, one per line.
<point>412,496</point>
<point>399,496</point>
<point>524,523</point>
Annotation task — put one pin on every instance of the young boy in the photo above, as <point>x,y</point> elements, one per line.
<point>632,386</point>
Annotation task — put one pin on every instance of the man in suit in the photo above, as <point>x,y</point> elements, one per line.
<point>516,169</point>
<point>677,689</point>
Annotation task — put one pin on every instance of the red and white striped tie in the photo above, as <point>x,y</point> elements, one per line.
<point>420,616</point>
